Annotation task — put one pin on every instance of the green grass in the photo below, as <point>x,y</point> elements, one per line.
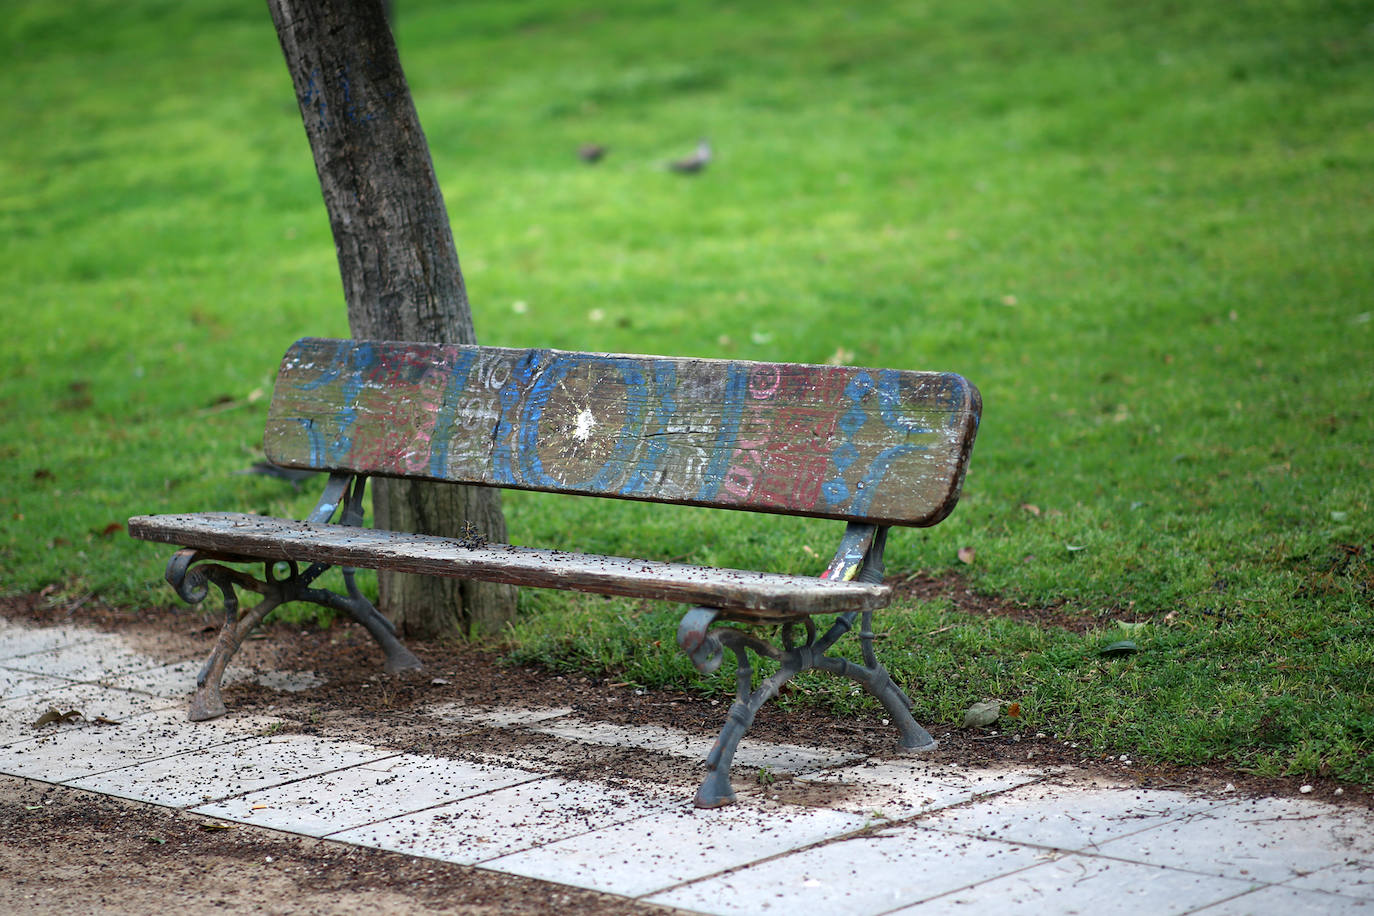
<point>1142,230</point>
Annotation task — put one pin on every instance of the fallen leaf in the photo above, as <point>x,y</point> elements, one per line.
<point>1031,508</point>
<point>216,825</point>
<point>53,715</point>
<point>1124,647</point>
<point>1014,710</point>
<point>966,554</point>
<point>111,529</point>
<point>980,714</point>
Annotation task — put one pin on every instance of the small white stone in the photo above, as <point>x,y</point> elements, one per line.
<point>1305,790</point>
<point>1340,792</point>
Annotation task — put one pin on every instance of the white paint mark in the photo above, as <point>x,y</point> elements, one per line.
<point>585,422</point>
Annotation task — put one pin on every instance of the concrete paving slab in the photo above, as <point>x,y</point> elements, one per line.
<point>174,681</point>
<point>84,752</point>
<point>230,769</point>
<point>365,794</point>
<point>1086,884</point>
<point>1285,901</point>
<point>656,852</point>
<point>497,717</point>
<point>15,684</point>
<point>780,758</point>
<point>84,661</point>
<point>1069,815</point>
<point>18,640</point>
<point>177,680</point>
<point>866,875</point>
<point>513,819</point>
<point>91,700</point>
<point>1270,840</point>
<point>896,790</point>
<point>1351,879</point>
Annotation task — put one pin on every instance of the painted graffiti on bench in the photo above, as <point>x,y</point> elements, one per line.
<point>780,437</point>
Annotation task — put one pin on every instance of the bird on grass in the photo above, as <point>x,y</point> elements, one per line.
<point>591,153</point>
<point>695,162</point>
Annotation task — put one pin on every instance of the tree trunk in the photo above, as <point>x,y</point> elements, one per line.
<point>400,270</point>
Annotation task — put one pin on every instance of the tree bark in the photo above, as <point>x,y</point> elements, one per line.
<point>401,276</point>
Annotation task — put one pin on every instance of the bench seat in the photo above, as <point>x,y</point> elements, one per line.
<point>738,593</point>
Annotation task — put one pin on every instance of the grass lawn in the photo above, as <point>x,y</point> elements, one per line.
<point>1143,230</point>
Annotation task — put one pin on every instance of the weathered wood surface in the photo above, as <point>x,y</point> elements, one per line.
<point>882,446</point>
<point>746,593</point>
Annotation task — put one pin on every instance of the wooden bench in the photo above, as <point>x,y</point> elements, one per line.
<point>871,448</point>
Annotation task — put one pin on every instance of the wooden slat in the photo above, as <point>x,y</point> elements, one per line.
<point>748,593</point>
<point>869,445</point>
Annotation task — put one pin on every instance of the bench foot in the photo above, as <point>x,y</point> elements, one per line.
<point>706,647</point>
<point>398,657</point>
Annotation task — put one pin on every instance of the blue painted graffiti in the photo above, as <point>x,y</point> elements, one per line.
<point>736,387</point>
<point>502,456</point>
<point>636,398</point>
<point>835,491</point>
<point>454,387</point>
<point>349,363</point>
<point>665,383</point>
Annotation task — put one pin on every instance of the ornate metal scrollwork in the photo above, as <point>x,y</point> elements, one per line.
<point>859,556</point>
<point>191,573</point>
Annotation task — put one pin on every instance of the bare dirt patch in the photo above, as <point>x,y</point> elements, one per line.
<point>64,851</point>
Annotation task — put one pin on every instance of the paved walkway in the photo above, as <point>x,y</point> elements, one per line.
<point>874,836</point>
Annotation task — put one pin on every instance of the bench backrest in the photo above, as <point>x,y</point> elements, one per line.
<point>870,445</point>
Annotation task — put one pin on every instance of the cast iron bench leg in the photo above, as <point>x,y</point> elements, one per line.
<point>706,649</point>
<point>383,631</point>
<point>193,586</point>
